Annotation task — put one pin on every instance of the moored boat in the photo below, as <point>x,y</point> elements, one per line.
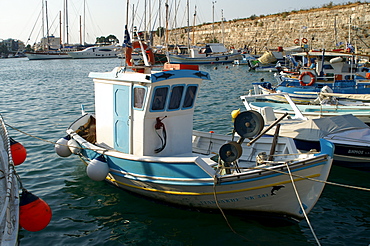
<point>46,55</point>
<point>209,54</point>
<point>108,51</point>
<point>312,71</point>
<point>141,139</point>
<point>9,202</point>
<point>349,134</point>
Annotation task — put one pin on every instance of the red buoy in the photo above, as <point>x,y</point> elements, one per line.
<point>18,151</point>
<point>34,213</point>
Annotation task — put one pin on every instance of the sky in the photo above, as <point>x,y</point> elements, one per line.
<point>21,19</point>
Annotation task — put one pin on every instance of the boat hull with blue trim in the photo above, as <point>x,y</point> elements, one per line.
<point>142,131</point>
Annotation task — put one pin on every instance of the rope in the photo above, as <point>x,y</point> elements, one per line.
<point>316,180</point>
<point>301,205</point>
<point>219,207</point>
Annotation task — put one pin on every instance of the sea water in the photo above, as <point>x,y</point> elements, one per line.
<point>41,99</point>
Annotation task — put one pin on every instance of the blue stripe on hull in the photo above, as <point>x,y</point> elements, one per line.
<point>189,170</point>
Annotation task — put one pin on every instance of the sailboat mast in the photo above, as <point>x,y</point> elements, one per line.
<point>80,30</point>
<point>43,19</point>
<point>213,20</point>
<point>84,32</point>
<point>166,22</point>
<point>222,24</point>
<point>187,7</point>
<point>67,34</point>
<point>60,28</point>
<point>195,14</point>
<point>47,23</point>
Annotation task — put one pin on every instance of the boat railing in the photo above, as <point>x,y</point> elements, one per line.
<point>298,114</point>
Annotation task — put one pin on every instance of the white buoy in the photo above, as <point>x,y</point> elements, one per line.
<point>74,147</point>
<point>97,169</point>
<point>61,147</point>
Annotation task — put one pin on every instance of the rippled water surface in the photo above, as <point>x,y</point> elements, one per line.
<point>41,98</point>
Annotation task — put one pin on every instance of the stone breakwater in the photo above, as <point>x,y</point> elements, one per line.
<point>329,28</point>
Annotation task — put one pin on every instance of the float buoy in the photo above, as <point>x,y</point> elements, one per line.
<point>34,213</point>
<point>98,169</point>
<point>18,152</point>
<point>61,147</point>
<point>304,40</point>
<point>235,113</point>
<point>74,147</point>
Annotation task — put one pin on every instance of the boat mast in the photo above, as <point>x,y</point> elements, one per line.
<point>80,30</point>
<point>195,14</point>
<point>187,7</point>
<point>84,31</point>
<point>67,34</point>
<point>166,23</point>
<point>47,23</point>
<point>213,20</point>
<point>60,29</point>
<point>222,25</point>
<point>43,19</point>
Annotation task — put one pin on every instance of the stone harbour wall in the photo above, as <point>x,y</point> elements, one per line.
<point>329,28</point>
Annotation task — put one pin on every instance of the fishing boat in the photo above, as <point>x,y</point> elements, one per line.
<point>358,109</point>
<point>349,134</point>
<point>9,202</point>
<point>339,71</point>
<point>245,59</point>
<point>209,54</point>
<point>24,210</point>
<point>141,139</point>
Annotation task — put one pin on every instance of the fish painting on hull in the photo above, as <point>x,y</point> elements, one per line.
<point>163,76</point>
<point>201,75</point>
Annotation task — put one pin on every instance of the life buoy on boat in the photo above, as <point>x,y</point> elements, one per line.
<point>136,45</point>
<point>312,81</point>
<point>217,59</point>
<point>304,40</point>
<point>296,41</point>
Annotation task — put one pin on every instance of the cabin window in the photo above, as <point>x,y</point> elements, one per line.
<point>190,94</point>
<point>139,97</point>
<point>159,98</point>
<point>176,96</point>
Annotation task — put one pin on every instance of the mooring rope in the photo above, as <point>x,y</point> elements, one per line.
<point>215,182</point>
<point>301,205</point>
<point>316,180</point>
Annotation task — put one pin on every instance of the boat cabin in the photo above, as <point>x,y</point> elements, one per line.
<point>147,113</point>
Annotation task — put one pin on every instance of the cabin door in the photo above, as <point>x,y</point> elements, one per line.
<point>121,118</point>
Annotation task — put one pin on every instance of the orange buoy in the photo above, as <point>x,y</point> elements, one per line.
<point>34,213</point>
<point>18,151</point>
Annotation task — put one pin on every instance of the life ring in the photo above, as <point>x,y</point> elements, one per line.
<point>313,78</point>
<point>304,40</point>
<point>296,41</point>
<point>136,45</point>
<point>217,59</point>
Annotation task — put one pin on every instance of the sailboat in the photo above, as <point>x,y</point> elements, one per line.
<point>50,45</point>
<point>208,53</point>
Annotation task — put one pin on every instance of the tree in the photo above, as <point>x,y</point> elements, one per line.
<point>107,40</point>
<point>112,39</point>
<point>3,49</point>
<point>29,48</point>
